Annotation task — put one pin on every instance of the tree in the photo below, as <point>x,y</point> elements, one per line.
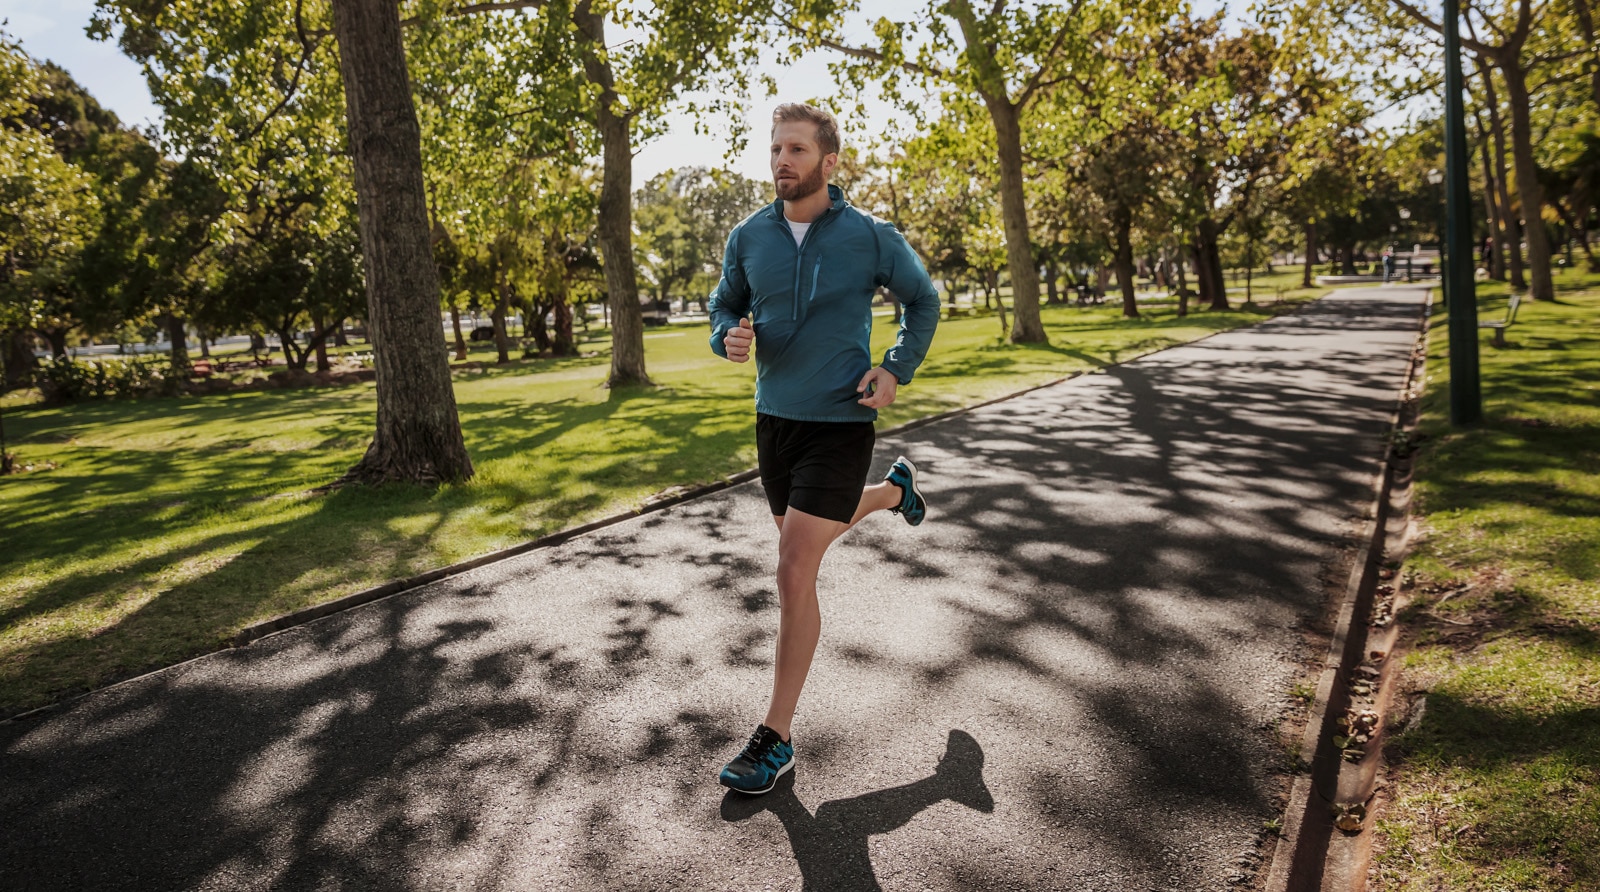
<point>48,214</point>
<point>418,436</point>
<point>1515,63</point>
<point>1006,59</point>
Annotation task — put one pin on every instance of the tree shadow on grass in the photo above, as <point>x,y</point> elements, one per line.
<point>831,846</point>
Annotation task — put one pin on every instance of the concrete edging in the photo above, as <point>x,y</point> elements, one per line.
<point>1300,862</point>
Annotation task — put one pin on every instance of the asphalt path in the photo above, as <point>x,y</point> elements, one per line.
<point>1070,677</point>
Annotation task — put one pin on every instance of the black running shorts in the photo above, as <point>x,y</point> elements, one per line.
<point>818,467</point>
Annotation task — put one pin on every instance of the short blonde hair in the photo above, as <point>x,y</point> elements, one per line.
<point>827,124</point>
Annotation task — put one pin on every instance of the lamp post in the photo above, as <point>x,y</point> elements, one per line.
<point>1466,398</point>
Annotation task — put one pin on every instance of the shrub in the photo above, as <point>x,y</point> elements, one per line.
<point>65,379</point>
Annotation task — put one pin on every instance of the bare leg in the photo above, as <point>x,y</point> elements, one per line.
<point>802,541</point>
<point>878,497</point>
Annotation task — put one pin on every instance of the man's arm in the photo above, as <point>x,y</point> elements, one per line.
<point>901,271</point>
<point>730,300</point>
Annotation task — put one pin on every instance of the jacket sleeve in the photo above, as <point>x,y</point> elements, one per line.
<point>901,271</point>
<point>730,300</point>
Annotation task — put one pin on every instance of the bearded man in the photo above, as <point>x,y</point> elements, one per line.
<point>799,275</point>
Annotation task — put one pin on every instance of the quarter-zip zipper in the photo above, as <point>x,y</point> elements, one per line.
<point>799,255</point>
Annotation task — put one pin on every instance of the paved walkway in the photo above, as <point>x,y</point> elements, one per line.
<point>1069,678</point>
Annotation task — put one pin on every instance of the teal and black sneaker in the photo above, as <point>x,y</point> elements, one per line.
<point>756,770</point>
<point>913,507</point>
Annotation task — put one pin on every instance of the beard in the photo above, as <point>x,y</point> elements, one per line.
<point>794,190</point>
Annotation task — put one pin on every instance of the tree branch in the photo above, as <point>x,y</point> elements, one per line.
<point>307,48</point>
<point>1435,27</point>
<point>862,52</point>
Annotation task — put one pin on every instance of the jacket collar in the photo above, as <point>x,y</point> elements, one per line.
<point>775,210</point>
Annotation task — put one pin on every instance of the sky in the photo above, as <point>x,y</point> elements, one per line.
<point>54,30</point>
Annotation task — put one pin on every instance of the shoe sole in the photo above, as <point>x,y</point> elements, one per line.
<point>916,492</point>
<point>768,788</point>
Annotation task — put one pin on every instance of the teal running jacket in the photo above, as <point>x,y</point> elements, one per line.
<point>811,307</point>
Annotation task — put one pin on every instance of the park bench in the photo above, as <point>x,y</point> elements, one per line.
<point>1500,326</point>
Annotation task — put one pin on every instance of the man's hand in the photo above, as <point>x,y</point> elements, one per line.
<point>738,341</point>
<point>878,387</point>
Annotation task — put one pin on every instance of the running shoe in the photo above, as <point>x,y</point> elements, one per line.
<point>913,507</point>
<point>756,770</point>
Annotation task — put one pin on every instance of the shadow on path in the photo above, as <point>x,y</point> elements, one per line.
<point>831,845</point>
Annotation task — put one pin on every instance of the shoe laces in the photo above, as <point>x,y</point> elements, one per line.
<point>761,740</point>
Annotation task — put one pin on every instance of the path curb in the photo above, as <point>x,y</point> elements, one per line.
<point>1301,861</point>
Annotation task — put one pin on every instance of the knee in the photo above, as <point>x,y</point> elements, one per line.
<point>796,582</point>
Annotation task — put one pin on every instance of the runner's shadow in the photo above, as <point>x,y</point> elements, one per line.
<point>831,846</point>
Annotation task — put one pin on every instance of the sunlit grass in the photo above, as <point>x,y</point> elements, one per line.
<point>1498,785</point>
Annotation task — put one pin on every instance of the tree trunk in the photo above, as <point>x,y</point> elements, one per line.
<point>1052,296</point>
<point>57,339</point>
<point>541,334</point>
<point>178,341</point>
<point>1122,227</point>
<point>991,84</point>
<point>319,343</point>
<point>455,325</point>
<point>1208,265</point>
<point>1102,278</point>
<point>502,305</point>
<point>19,357</point>
<point>1508,215</point>
<point>418,433</point>
<point>615,230</point>
<point>1311,253</point>
<point>339,338</point>
<point>1529,191</point>
<point>1028,326</point>
<point>1496,261</point>
<point>563,344</point>
<point>1183,285</point>
<point>205,344</point>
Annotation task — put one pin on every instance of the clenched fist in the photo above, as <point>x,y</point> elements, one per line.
<point>738,341</point>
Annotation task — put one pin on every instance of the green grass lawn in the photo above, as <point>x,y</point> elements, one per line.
<point>1497,784</point>
<point>168,525</point>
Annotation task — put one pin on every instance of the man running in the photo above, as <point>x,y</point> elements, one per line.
<point>799,275</point>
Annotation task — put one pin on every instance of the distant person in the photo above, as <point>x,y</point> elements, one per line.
<point>799,275</point>
<point>1388,263</point>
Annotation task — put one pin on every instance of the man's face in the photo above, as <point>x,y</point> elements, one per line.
<point>798,166</point>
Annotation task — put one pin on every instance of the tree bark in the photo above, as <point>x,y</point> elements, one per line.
<point>455,326</point>
<point>57,339</point>
<point>1508,216</point>
<point>615,230</point>
<point>418,432</point>
<point>1496,260</point>
<point>1052,296</point>
<point>1311,253</point>
<point>1028,326</point>
<point>502,305</point>
<point>179,338</point>
<point>1006,116</point>
<point>1183,285</point>
<point>19,357</point>
<point>1529,191</point>
<point>1208,264</point>
<point>563,344</point>
<point>1123,226</point>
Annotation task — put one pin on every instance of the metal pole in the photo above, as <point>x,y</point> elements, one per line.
<point>1466,399</point>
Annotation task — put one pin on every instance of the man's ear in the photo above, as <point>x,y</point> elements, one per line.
<point>829,162</point>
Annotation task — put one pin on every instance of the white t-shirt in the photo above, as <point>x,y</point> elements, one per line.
<point>799,230</point>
